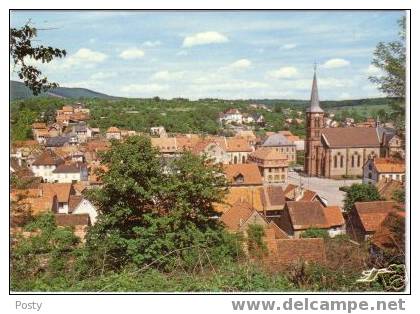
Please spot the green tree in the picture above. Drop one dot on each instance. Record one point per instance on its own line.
(21, 49)
(315, 233)
(255, 237)
(360, 193)
(152, 211)
(391, 59)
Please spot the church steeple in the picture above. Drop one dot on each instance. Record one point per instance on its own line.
(314, 106)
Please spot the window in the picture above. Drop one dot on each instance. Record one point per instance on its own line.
(335, 161)
(370, 166)
(352, 161)
(397, 177)
(341, 161)
(276, 177)
(243, 159)
(358, 161)
(269, 169)
(270, 178)
(370, 175)
(235, 160)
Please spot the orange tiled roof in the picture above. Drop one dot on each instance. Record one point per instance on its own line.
(237, 145)
(113, 129)
(62, 190)
(334, 216)
(389, 165)
(250, 173)
(237, 215)
(372, 214)
(384, 237)
(306, 215)
(387, 187)
(252, 195)
(268, 154)
(290, 251)
(48, 158)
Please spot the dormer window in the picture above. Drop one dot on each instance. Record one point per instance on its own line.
(239, 178)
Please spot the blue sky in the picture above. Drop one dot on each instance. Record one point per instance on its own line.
(237, 54)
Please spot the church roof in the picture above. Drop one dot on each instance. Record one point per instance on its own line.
(351, 137)
(314, 106)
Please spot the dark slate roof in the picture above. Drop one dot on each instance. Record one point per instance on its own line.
(314, 105)
(276, 140)
(69, 168)
(56, 141)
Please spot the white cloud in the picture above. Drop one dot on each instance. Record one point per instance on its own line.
(144, 88)
(132, 53)
(102, 75)
(204, 38)
(240, 64)
(372, 70)
(151, 44)
(284, 72)
(167, 76)
(289, 46)
(335, 63)
(84, 57)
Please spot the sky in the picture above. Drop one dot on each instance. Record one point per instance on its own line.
(220, 54)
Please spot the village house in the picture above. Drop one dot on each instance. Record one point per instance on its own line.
(82, 132)
(296, 140)
(231, 116)
(248, 135)
(272, 164)
(70, 173)
(211, 149)
(113, 133)
(243, 175)
(80, 205)
(376, 169)
(364, 218)
(294, 192)
(63, 191)
(280, 143)
(273, 201)
(158, 131)
(302, 215)
(45, 165)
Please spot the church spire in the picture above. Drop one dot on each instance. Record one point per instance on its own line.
(314, 106)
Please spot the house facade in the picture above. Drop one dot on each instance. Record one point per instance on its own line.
(376, 169)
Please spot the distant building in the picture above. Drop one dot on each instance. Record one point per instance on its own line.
(45, 165)
(158, 131)
(231, 116)
(113, 133)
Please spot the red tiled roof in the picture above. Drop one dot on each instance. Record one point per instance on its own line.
(351, 137)
(74, 200)
(237, 215)
(48, 158)
(273, 197)
(334, 216)
(62, 190)
(385, 237)
(268, 154)
(250, 173)
(305, 215)
(72, 219)
(294, 250)
(372, 214)
(389, 165)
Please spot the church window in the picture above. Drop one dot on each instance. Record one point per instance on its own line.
(235, 160)
(335, 161)
(352, 161)
(358, 160)
(243, 159)
(341, 161)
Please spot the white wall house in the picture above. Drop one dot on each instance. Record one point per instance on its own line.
(45, 165)
(376, 169)
(70, 173)
(86, 207)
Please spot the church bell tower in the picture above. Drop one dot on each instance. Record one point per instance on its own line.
(314, 125)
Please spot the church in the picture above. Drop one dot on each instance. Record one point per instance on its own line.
(342, 151)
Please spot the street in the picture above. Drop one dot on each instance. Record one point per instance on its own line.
(326, 188)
